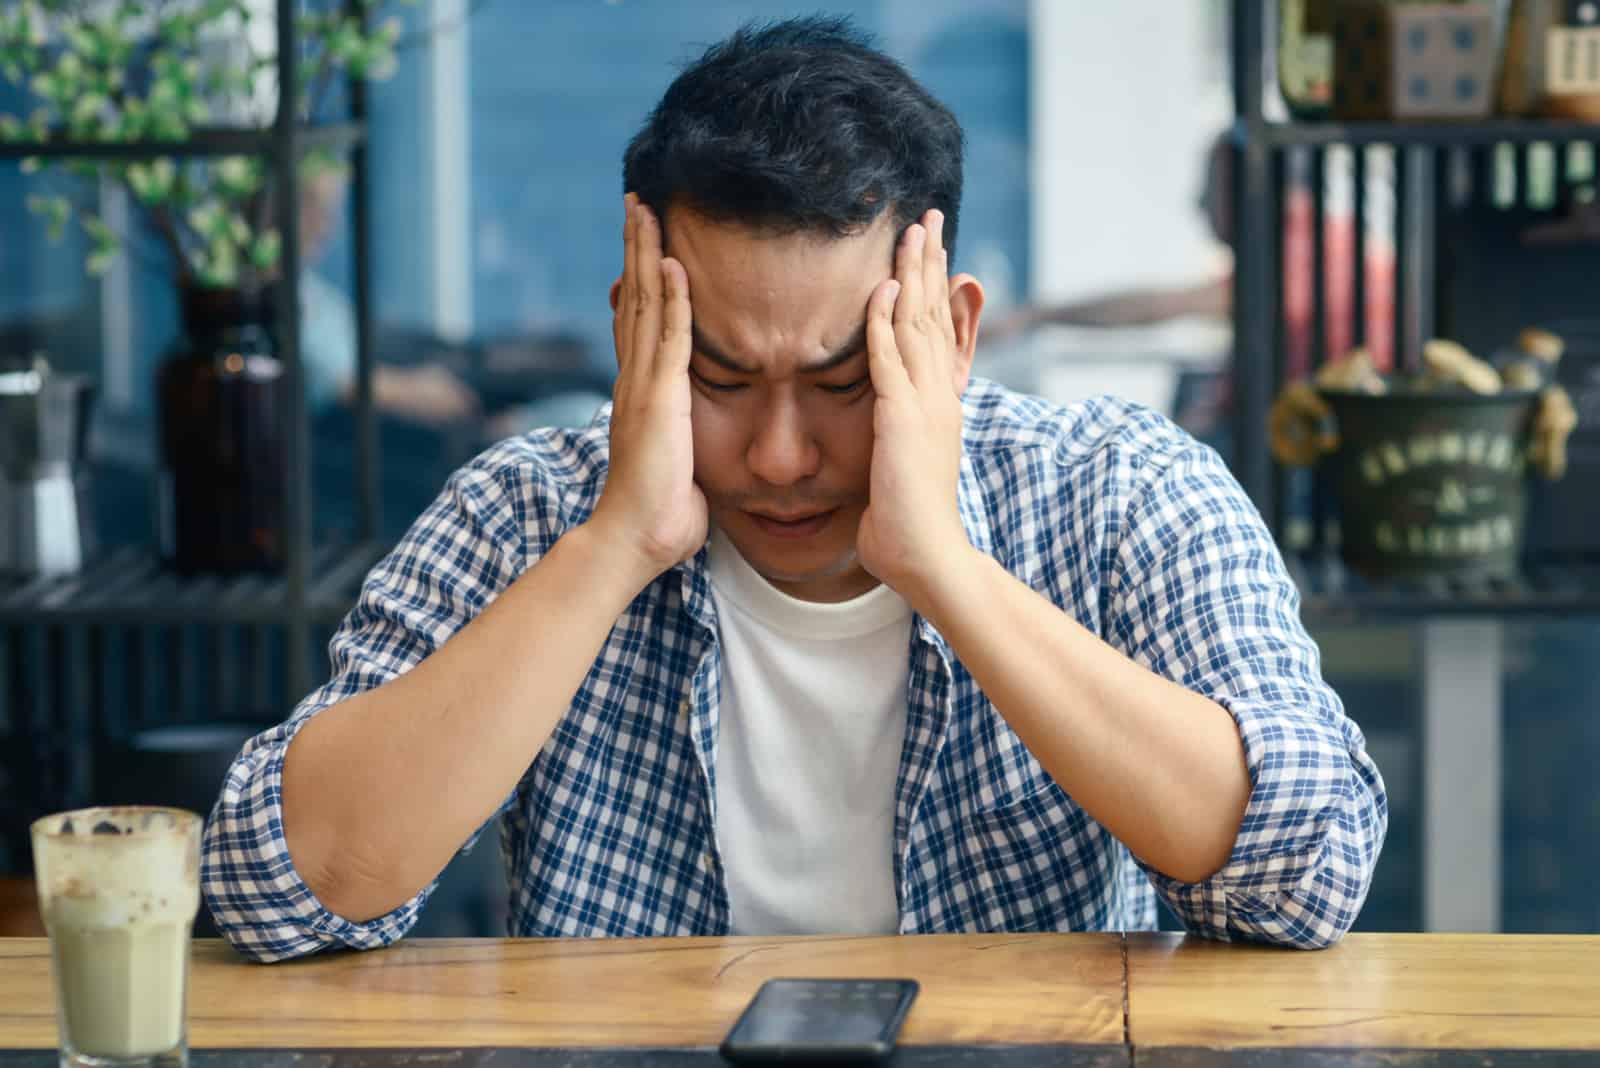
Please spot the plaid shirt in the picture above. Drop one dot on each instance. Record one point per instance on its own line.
(1135, 530)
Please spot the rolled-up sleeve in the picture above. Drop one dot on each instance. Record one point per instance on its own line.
(455, 559)
(1202, 597)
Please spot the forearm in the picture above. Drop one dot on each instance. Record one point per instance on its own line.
(1161, 767)
(380, 790)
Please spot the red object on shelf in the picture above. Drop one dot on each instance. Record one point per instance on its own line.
(1339, 251)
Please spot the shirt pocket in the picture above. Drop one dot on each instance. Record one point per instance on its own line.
(1038, 868)
(1000, 770)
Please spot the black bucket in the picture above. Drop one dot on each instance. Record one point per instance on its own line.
(1432, 484)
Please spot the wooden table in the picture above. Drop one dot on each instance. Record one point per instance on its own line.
(1089, 999)
(1379, 994)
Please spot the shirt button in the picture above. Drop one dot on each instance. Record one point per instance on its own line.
(683, 707)
(709, 861)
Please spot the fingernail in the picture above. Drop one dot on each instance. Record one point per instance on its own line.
(894, 290)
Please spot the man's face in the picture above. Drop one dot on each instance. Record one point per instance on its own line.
(782, 406)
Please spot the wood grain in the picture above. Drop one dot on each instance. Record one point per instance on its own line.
(1421, 991)
(638, 992)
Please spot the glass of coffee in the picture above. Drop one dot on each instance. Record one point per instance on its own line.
(119, 889)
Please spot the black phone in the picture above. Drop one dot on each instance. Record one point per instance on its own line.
(820, 1021)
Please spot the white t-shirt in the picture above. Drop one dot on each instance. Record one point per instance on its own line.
(812, 721)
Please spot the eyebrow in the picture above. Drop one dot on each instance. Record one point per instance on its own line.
(856, 343)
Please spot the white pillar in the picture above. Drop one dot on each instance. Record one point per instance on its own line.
(1461, 773)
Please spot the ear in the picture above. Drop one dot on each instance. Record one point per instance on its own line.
(966, 307)
(616, 291)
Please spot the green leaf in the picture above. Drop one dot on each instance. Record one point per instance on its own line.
(240, 176)
(129, 126)
(11, 128)
(205, 218)
(152, 181)
(31, 165)
(238, 230)
(45, 85)
(178, 30)
(222, 263)
(345, 43)
(196, 110)
(99, 261)
(265, 249)
(140, 181)
(101, 234)
(183, 194)
(88, 109)
(164, 95)
(166, 65)
(55, 210)
(168, 125)
(84, 42)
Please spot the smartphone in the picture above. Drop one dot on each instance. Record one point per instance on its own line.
(820, 1021)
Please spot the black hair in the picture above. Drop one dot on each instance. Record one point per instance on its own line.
(799, 126)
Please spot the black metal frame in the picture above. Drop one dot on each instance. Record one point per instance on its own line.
(49, 625)
(307, 588)
(1260, 147)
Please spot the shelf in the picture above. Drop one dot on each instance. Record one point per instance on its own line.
(1441, 133)
(202, 141)
(1331, 593)
(129, 586)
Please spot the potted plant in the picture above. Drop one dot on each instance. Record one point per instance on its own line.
(1430, 470)
(133, 70)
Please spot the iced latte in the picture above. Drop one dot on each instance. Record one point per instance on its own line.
(119, 889)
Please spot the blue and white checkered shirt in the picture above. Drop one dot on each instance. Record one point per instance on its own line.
(1130, 526)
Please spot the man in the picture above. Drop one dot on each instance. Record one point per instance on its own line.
(810, 632)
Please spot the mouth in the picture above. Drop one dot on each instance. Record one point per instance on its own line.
(794, 525)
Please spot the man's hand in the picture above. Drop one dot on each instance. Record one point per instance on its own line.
(911, 532)
(651, 504)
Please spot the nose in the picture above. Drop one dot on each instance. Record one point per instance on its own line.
(782, 450)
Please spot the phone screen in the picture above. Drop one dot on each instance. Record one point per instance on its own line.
(818, 1018)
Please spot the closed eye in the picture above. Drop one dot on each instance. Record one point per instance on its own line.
(845, 388)
(717, 387)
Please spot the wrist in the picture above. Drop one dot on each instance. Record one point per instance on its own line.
(950, 583)
(616, 555)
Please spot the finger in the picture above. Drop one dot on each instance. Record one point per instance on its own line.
(647, 250)
(884, 362)
(910, 313)
(676, 319)
(936, 277)
(627, 299)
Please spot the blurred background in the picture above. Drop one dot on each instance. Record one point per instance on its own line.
(1110, 166)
